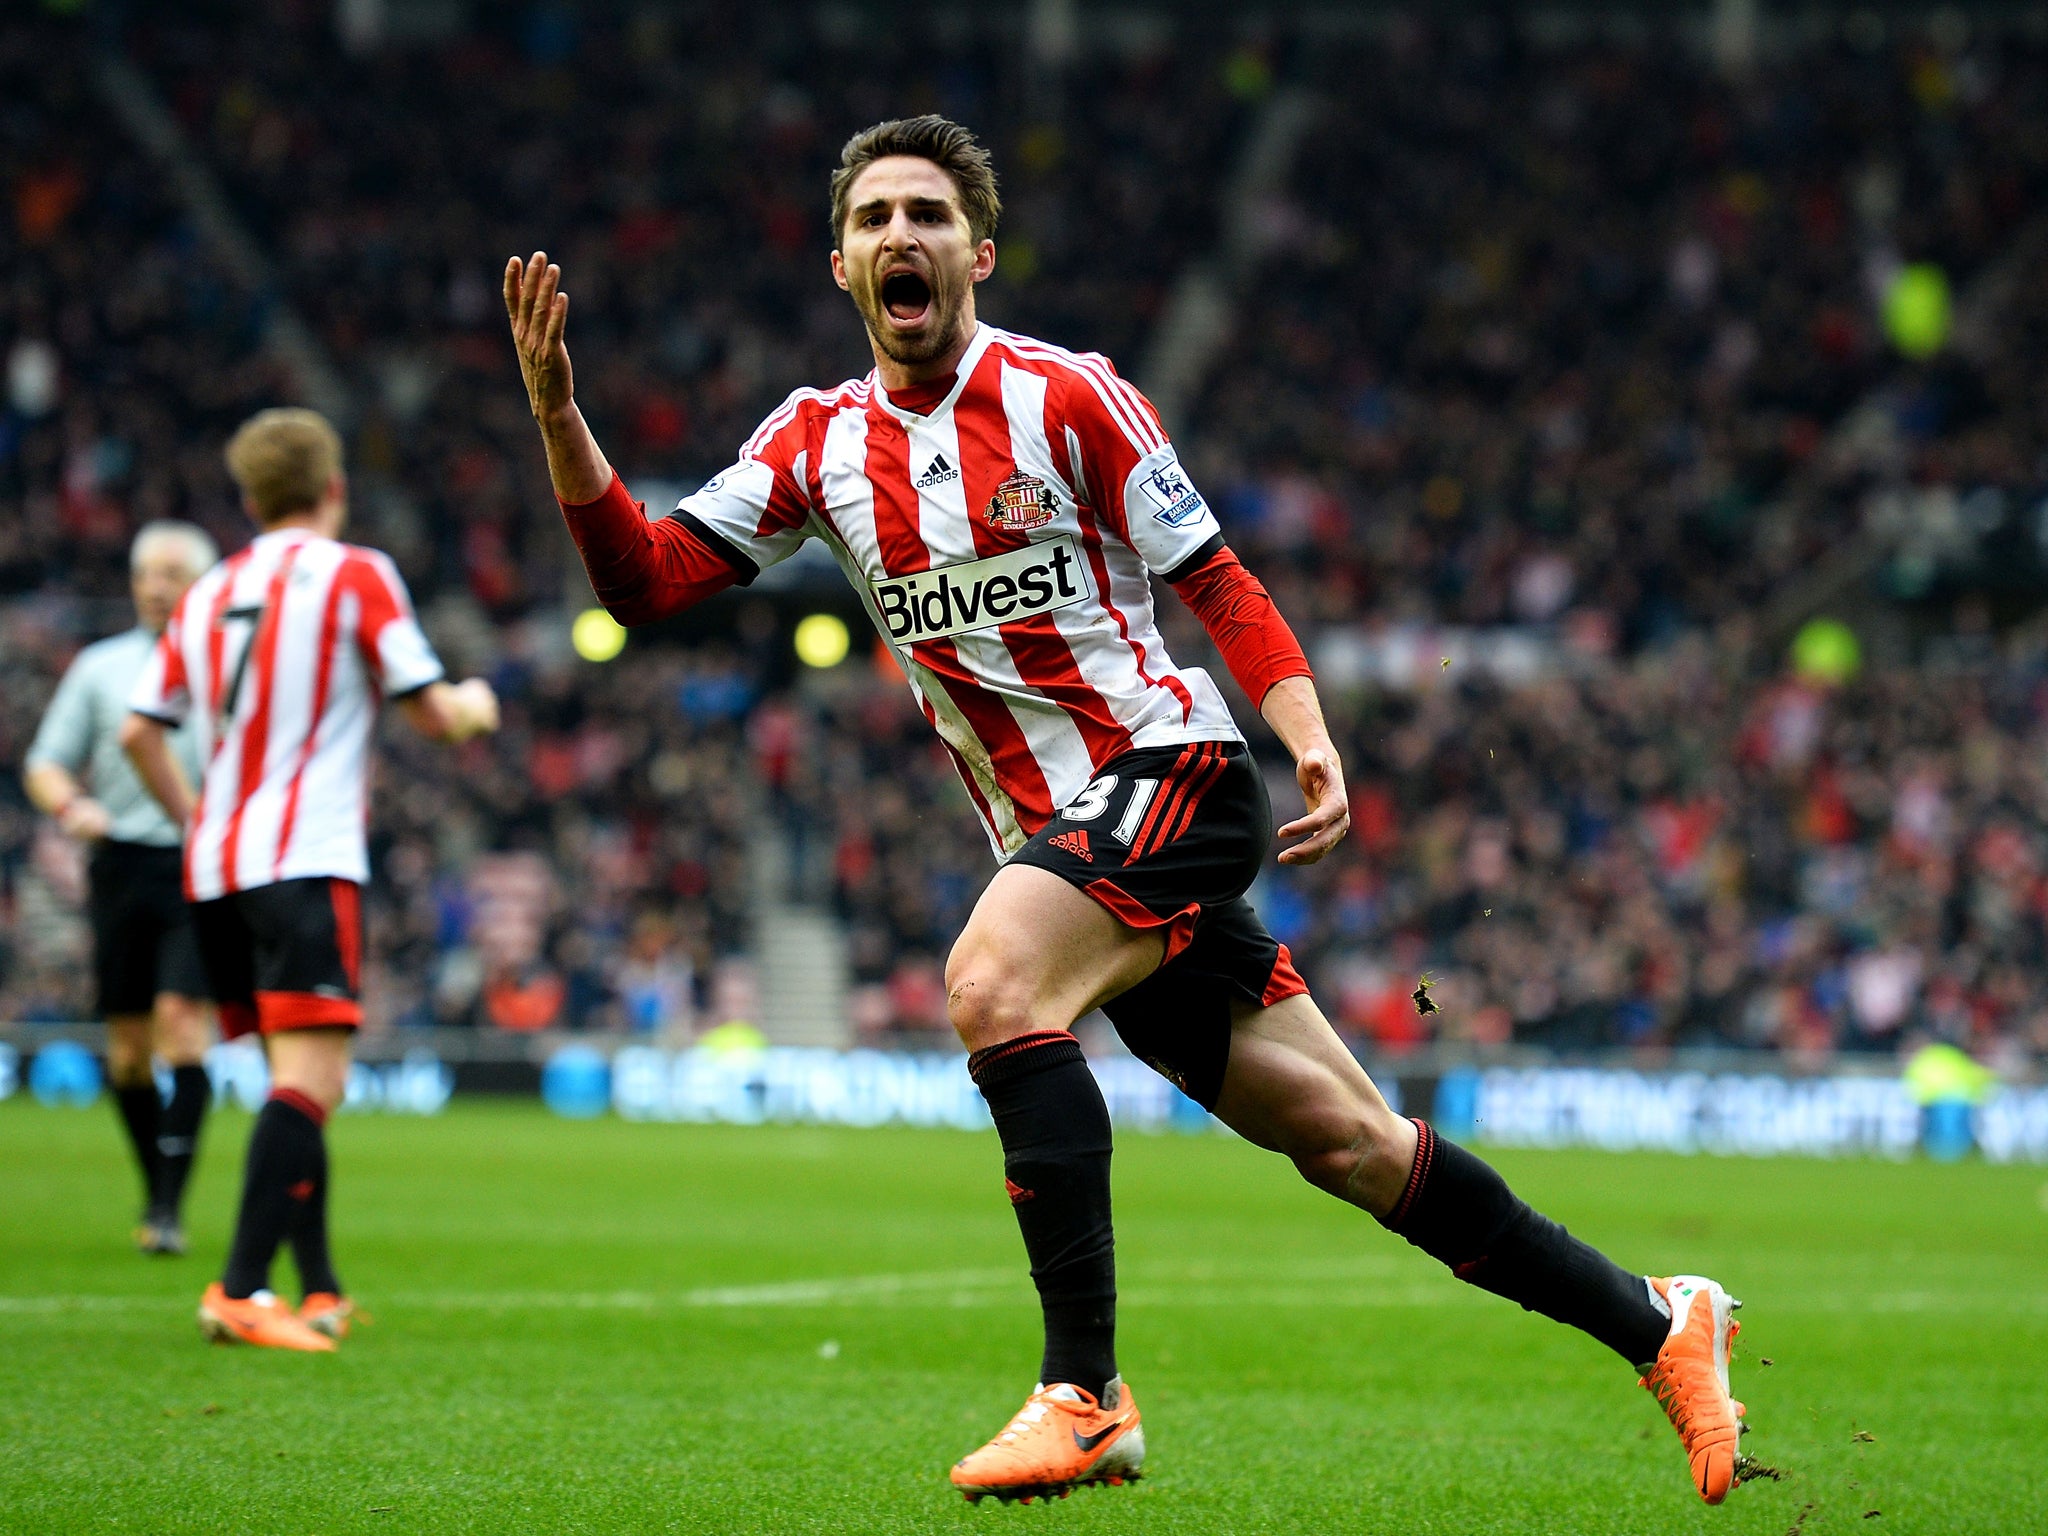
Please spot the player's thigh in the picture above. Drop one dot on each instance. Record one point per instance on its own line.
(1293, 1087)
(128, 1064)
(227, 953)
(1037, 954)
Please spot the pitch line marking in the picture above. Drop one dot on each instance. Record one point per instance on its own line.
(969, 1288)
(880, 1289)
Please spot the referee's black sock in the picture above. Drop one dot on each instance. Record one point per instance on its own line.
(1055, 1133)
(140, 1109)
(286, 1156)
(1458, 1210)
(177, 1135)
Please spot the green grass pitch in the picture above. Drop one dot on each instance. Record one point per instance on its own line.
(597, 1326)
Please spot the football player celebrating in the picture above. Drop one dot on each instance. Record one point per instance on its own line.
(151, 982)
(1001, 506)
(282, 653)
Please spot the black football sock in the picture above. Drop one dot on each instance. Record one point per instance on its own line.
(1055, 1133)
(140, 1107)
(1459, 1211)
(308, 1233)
(177, 1135)
(285, 1153)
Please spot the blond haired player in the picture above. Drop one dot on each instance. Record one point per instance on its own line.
(1002, 504)
(283, 654)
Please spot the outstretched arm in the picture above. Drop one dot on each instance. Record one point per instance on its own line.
(1268, 663)
(539, 312)
(640, 571)
(452, 712)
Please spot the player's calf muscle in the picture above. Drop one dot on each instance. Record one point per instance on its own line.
(1365, 1171)
(1293, 1088)
(1349, 1148)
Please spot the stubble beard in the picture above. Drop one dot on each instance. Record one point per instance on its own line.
(912, 351)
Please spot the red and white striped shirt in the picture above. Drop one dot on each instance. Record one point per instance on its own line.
(284, 650)
(1004, 544)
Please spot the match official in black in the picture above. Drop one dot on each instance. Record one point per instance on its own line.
(152, 985)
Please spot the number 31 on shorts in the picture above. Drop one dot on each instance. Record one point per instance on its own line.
(1094, 800)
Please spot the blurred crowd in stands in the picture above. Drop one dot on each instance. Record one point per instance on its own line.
(1569, 335)
(128, 352)
(674, 162)
(1654, 852)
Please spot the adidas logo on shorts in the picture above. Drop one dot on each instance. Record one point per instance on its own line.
(1075, 842)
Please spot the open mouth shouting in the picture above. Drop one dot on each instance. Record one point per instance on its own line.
(906, 298)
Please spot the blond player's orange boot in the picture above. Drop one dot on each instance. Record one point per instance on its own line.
(1060, 1439)
(261, 1319)
(1690, 1380)
(325, 1312)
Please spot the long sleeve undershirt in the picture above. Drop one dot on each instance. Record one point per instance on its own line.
(1243, 621)
(644, 571)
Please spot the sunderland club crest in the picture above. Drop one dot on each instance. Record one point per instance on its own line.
(1021, 503)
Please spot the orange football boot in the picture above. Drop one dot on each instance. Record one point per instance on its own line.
(1060, 1439)
(1690, 1380)
(261, 1319)
(325, 1312)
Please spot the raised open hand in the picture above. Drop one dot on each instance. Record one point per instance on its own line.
(539, 311)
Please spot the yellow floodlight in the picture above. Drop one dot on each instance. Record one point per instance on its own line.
(822, 640)
(596, 635)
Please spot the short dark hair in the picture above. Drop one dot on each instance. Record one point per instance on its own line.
(952, 148)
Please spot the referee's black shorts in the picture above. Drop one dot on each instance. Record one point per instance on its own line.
(143, 941)
(1172, 838)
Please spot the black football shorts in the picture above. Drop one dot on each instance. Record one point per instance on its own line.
(285, 956)
(142, 937)
(1172, 837)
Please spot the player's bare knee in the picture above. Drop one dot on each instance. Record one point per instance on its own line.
(313, 1062)
(986, 1003)
(985, 1011)
(181, 1029)
(325, 1084)
(128, 1061)
(130, 1072)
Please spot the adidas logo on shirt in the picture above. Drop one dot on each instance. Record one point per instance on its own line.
(938, 472)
